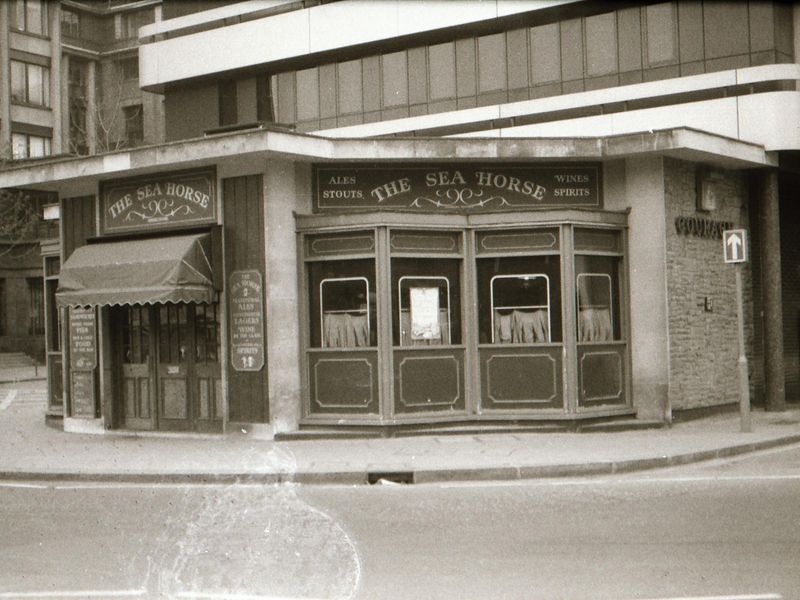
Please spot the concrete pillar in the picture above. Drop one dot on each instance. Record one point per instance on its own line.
(769, 221)
(647, 258)
(91, 106)
(5, 83)
(66, 138)
(56, 76)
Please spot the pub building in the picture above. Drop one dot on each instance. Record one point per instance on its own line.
(282, 283)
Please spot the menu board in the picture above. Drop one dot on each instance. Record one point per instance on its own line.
(82, 339)
(247, 320)
(82, 397)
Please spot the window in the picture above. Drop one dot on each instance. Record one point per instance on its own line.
(70, 23)
(77, 126)
(30, 16)
(427, 296)
(520, 308)
(127, 24)
(342, 303)
(77, 76)
(35, 306)
(228, 110)
(2, 306)
(134, 124)
(30, 84)
(266, 94)
(29, 146)
(519, 300)
(595, 299)
(129, 67)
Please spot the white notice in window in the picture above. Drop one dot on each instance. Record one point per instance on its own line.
(425, 314)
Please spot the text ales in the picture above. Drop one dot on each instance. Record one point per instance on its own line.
(465, 187)
(247, 320)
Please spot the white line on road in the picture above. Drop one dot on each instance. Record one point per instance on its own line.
(8, 399)
(36, 486)
(214, 596)
(745, 597)
(77, 594)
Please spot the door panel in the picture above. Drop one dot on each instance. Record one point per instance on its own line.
(207, 369)
(170, 366)
(134, 324)
(174, 356)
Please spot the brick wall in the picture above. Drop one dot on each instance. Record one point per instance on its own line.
(703, 345)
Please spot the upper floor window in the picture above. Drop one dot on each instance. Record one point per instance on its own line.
(134, 124)
(228, 109)
(77, 76)
(127, 24)
(70, 23)
(29, 146)
(30, 83)
(35, 306)
(2, 306)
(129, 68)
(30, 16)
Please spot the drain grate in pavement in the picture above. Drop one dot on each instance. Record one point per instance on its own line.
(390, 477)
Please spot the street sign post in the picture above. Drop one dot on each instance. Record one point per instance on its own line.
(734, 248)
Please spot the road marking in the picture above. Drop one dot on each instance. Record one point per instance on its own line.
(745, 597)
(8, 399)
(601, 480)
(210, 596)
(77, 594)
(36, 486)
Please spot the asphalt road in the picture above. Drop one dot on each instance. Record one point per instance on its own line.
(728, 528)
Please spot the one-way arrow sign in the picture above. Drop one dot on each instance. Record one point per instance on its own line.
(734, 245)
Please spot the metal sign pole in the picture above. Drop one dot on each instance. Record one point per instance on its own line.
(744, 385)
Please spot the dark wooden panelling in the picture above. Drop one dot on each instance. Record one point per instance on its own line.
(77, 225)
(243, 211)
(78, 222)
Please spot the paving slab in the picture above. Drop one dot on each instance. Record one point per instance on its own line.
(29, 449)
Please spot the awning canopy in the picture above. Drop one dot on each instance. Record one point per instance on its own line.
(147, 271)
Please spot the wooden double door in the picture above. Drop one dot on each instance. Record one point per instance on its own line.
(169, 367)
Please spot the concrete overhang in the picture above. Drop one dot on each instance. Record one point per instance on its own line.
(75, 175)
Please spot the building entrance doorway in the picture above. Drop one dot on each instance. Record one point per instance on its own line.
(169, 370)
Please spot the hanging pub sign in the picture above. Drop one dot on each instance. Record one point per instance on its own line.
(464, 187)
(247, 320)
(186, 198)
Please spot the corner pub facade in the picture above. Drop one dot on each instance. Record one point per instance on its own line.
(254, 277)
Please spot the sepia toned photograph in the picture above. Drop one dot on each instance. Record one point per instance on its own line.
(400, 299)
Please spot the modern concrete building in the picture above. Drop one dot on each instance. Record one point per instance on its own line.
(69, 85)
(390, 215)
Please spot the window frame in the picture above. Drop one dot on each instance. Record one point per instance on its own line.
(524, 277)
(20, 12)
(446, 341)
(26, 84)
